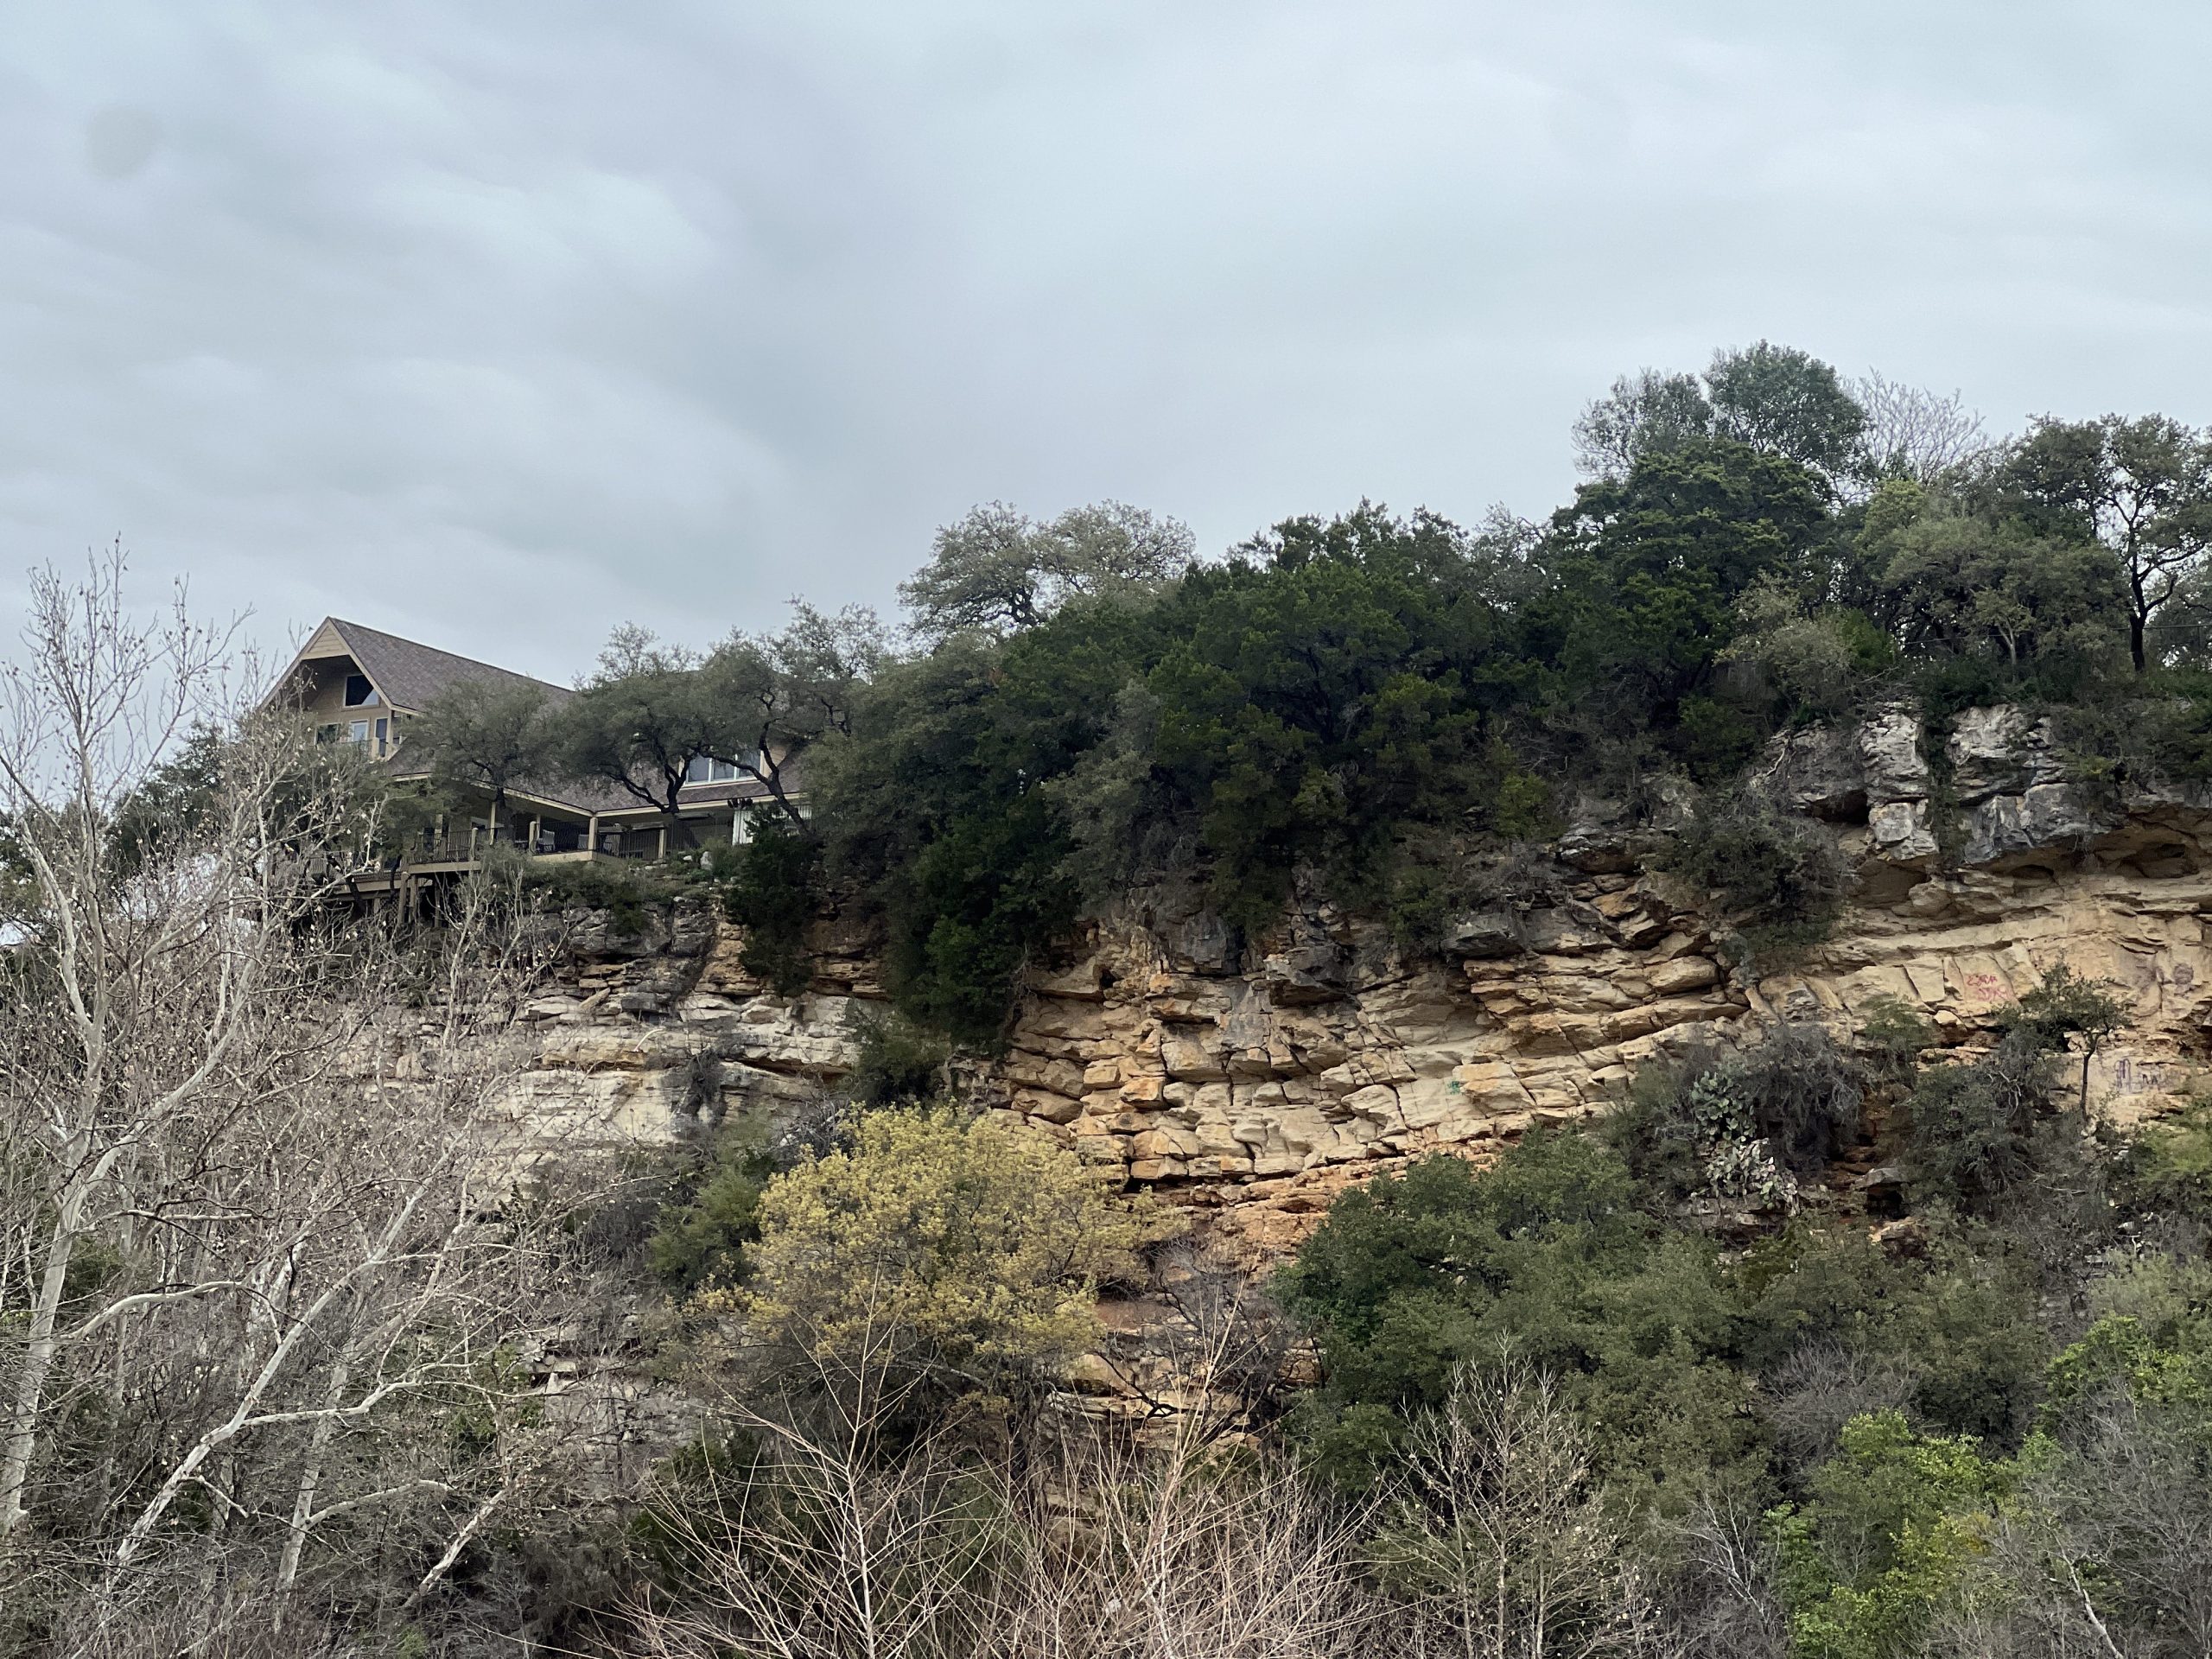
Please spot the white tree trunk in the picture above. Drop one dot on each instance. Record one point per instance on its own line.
(40, 1345)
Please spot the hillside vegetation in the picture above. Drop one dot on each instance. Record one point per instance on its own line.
(306, 1347)
(1390, 703)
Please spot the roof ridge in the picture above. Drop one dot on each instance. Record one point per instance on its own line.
(345, 628)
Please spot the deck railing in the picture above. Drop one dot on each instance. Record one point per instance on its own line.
(467, 849)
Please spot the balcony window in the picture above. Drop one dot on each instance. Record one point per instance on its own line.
(705, 769)
(358, 731)
(360, 694)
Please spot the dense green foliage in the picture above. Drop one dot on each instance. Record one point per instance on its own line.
(771, 892)
(1377, 704)
(1925, 1430)
(1549, 1257)
(1369, 697)
(1892, 1526)
(1780, 872)
(706, 1223)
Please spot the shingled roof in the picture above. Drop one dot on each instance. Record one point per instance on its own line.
(411, 675)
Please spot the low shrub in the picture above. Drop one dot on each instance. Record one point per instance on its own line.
(896, 1062)
(1971, 1129)
(1895, 1520)
(702, 1235)
(1548, 1256)
(1742, 1127)
(1781, 878)
(771, 892)
(938, 1251)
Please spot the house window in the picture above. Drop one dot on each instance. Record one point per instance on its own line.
(384, 734)
(358, 731)
(360, 694)
(705, 769)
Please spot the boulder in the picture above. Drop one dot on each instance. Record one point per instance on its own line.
(1901, 833)
(1567, 930)
(1889, 757)
(1988, 752)
(1890, 1177)
(1818, 771)
(1596, 843)
(1200, 943)
(2044, 818)
(1310, 971)
(1684, 974)
(1189, 1061)
(1051, 1108)
(1481, 933)
(1083, 981)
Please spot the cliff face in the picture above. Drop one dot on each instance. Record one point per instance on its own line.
(1256, 1081)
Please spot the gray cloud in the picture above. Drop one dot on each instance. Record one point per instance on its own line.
(499, 324)
(119, 140)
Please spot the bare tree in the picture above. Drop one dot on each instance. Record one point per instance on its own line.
(268, 1228)
(1095, 1548)
(1501, 1540)
(1914, 434)
(1213, 1361)
(133, 988)
(2104, 1556)
(1821, 1386)
(1722, 1603)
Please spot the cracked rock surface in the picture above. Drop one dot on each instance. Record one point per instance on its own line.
(1253, 1077)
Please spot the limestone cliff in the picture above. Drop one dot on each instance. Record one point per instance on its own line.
(1256, 1078)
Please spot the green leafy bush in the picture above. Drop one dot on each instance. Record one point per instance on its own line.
(1977, 1131)
(1894, 1520)
(1781, 876)
(895, 1062)
(936, 1244)
(1953, 1336)
(702, 1236)
(1743, 1128)
(1895, 1033)
(2168, 1166)
(2152, 1342)
(771, 892)
(1548, 1256)
(980, 903)
(1972, 1127)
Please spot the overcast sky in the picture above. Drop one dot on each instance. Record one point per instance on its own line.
(497, 324)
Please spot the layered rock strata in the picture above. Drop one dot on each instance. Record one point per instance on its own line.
(1257, 1078)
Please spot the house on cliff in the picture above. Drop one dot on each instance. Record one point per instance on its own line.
(362, 686)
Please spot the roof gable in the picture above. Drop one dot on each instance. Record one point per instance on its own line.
(325, 641)
(409, 676)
